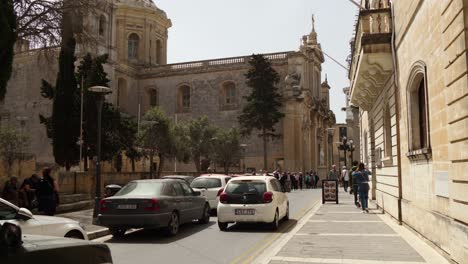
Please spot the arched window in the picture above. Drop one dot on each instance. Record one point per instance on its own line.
(153, 97)
(418, 114)
(230, 93)
(133, 42)
(183, 99)
(387, 123)
(102, 25)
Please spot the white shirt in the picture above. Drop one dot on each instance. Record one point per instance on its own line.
(345, 174)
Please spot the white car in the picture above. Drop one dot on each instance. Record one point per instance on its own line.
(39, 224)
(253, 199)
(210, 186)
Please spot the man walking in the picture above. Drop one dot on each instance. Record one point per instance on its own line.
(334, 174)
(345, 178)
(353, 183)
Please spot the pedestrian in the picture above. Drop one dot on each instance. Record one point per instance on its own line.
(308, 179)
(353, 183)
(317, 179)
(288, 182)
(345, 178)
(10, 190)
(301, 180)
(334, 174)
(283, 182)
(28, 190)
(362, 179)
(47, 193)
(294, 181)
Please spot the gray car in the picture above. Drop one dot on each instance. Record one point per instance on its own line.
(161, 203)
(188, 179)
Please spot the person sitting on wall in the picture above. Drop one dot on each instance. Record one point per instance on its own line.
(10, 190)
(28, 190)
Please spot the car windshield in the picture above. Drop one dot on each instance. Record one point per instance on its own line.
(241, 187)
(207, 183)
(141, 188)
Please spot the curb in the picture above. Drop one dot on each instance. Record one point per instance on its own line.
(98, 233)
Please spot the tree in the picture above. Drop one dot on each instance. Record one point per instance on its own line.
(227, 149)
(12, 144)
(262, 109)
(63, 126)
(7, 42)
(200, 137)
(157, 135)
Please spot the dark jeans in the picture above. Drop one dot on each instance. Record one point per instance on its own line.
(345, 185)
(364, 194)
(355, 192)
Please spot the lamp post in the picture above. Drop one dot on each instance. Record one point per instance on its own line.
(243, 146)
(152, 143)
(346, 145)
(100, 91)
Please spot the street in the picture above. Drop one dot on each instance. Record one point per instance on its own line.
(197, 243)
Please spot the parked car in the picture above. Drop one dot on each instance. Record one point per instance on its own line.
(160, 203)
(211, 186)
(18, 249)
(40, 224)
(253, 199)
(188, 179)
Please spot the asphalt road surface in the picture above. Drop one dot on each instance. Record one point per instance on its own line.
(205, 244)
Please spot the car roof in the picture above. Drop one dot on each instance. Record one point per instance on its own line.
(154, 180)
(177, 176)
(214, 175)
(261, 178)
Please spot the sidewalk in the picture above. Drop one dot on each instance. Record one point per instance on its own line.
(85, 217)
(341, 234)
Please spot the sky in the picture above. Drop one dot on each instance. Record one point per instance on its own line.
(209, 29)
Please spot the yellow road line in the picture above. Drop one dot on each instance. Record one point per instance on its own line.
(258, 247)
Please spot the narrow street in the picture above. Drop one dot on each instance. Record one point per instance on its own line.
(205, 243)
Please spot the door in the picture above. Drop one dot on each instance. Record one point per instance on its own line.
(195, 205)
(280, 197)
(181, 203)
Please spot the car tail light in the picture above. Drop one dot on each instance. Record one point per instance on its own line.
(103, 205)
(220, 191)
(267, 197)
(153, 205)
(223, 197)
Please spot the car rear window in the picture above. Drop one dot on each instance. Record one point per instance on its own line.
(202, 183)
(141, 188)
(241, 187)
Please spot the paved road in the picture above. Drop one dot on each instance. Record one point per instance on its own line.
(205, 243)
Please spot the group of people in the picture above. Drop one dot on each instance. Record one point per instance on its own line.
(34, 192)
(358, 179)
(297, 180)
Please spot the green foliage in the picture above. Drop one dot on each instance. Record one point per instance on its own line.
(262, 108)
(12, 143)
(157, 135)
(227, 149)
(64, 121)
(200, 135)
(7, 41)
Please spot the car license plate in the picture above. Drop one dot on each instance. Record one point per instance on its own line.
(126, 206)
(244, 211)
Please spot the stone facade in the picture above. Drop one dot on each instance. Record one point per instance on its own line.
(134, 33)
(409, 78)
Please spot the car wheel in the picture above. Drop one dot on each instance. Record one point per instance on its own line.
(275, 224)
(117, 232)
(206, 215)
(222, 226)
(74, 234)
(173, 226)
(286, 217)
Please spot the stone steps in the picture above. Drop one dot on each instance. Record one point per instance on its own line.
(74, 202)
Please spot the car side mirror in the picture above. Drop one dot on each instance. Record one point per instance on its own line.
(10, 235)
(24, 214)
(195, 193)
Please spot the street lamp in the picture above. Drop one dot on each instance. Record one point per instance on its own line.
(243, 146)
(153, 144)
(346, 145)
(100, 91)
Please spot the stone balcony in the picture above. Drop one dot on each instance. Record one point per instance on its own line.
(372, 63)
